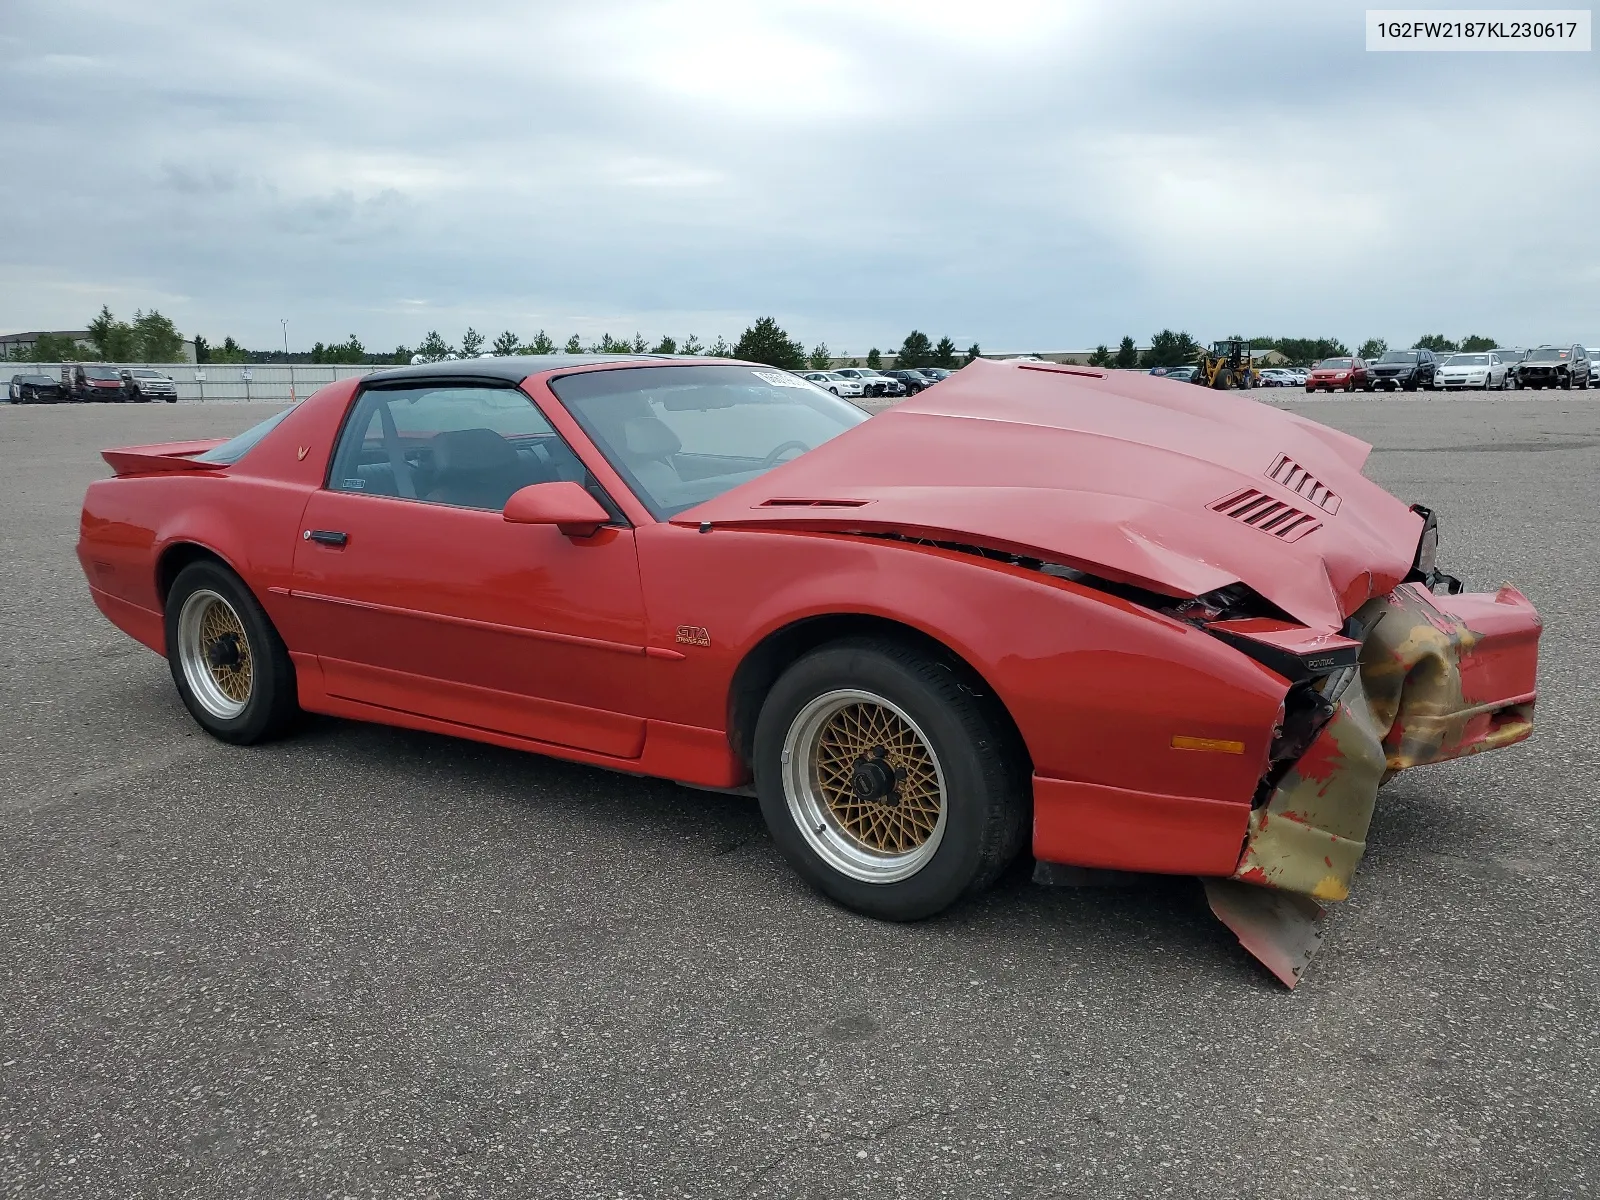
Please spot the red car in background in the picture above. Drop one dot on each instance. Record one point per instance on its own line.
(1343, 374)
(1121, 621)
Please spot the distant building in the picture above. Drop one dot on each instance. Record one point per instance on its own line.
(16, 344)
(11, 343)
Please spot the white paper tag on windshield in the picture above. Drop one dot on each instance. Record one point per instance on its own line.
(779, 379)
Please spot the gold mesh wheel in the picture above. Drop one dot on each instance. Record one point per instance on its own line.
(214, 650)
(864, 785)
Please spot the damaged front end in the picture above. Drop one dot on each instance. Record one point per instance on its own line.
(1423, 678)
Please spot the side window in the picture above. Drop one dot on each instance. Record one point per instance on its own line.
(462, 445)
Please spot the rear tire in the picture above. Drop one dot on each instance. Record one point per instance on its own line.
(888, 781)
(229, 664)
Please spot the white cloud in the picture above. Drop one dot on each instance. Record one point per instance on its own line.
(1026, 173)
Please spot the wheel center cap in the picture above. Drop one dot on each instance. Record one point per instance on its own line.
(873, 779)
(224, 652)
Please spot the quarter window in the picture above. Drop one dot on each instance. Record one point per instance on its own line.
(470, 446)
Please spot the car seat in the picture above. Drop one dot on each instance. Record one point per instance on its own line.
(474, 468)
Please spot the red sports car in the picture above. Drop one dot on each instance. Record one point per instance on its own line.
(1126, 622)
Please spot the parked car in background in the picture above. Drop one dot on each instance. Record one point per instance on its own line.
(1511, 358)
(1300, 374)
(1482, 369)
(1181, 374)
(35, 388)
(93, 381)
(1278, 377)
(832, 381)
(912, 381)
(1408, 369)
(873, 382)
(936, 374)
(1342, 374)
(144, 385)
(1555, 366)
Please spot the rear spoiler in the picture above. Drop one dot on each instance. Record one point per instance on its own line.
(165, 458)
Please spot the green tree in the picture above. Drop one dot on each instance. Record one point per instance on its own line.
(765, 342)
(665, 346)
(202, 349)
(433, 347)
(401, 355)
(639, 346)
(156, 339)
(692, 345)
(974, 352)
(1476, 343)
(49, 348)
(1436, 342)
(349, 351)
(820, 359)
(944, 354)
(1302, 352)
(874, 360)
(1372, 349)
(1127, 354)
(507, 343)
(573, 346)
(1169, 349)
(113, 340)
(720, 348)
(542, 343)
(471, 343)
(229, 352)
(1101, 356)
(915, 351)
(610, 345)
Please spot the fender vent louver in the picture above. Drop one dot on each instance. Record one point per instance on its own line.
(1290, 474)
(1257, 509)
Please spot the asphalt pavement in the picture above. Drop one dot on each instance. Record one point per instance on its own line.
(372, 963)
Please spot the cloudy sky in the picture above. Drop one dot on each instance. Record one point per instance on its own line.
(1027, 174)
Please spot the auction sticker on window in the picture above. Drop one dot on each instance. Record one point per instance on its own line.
(779, 379)
(1436, 29)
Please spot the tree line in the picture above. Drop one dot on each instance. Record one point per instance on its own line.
(149, 337)
(152, 337)
(1169, 349)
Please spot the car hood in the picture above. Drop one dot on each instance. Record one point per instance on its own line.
(1113, 474)
(1394, 366)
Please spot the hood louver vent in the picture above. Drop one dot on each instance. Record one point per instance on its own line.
(1290, 474)
(1255, 508)
(797, 502)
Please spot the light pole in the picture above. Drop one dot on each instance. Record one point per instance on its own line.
(284, 321)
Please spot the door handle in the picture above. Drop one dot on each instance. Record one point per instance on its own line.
(328, 537)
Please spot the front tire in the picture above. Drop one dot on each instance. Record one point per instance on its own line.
(888, 780)
(229, 664)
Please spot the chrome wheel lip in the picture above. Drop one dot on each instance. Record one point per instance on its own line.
(192, 654)
(814, 817)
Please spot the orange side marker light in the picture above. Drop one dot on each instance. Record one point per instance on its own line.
(1211, 745)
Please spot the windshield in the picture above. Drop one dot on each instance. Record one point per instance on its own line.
(683, 435)
(232, 450)
(1399, 356)
(1467, 360)
(100, 373)
(1546, 354)
(1333, 364)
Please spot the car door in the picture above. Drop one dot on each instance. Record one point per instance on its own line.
(419, 597)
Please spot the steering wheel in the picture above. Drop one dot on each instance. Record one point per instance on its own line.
(771, 460)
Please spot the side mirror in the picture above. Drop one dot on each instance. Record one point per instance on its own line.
(565, 505)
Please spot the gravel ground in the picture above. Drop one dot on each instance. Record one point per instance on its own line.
(367, 962)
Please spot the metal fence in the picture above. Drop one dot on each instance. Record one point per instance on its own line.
(222, 383)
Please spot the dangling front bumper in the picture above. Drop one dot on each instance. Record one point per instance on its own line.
(1440, 677)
